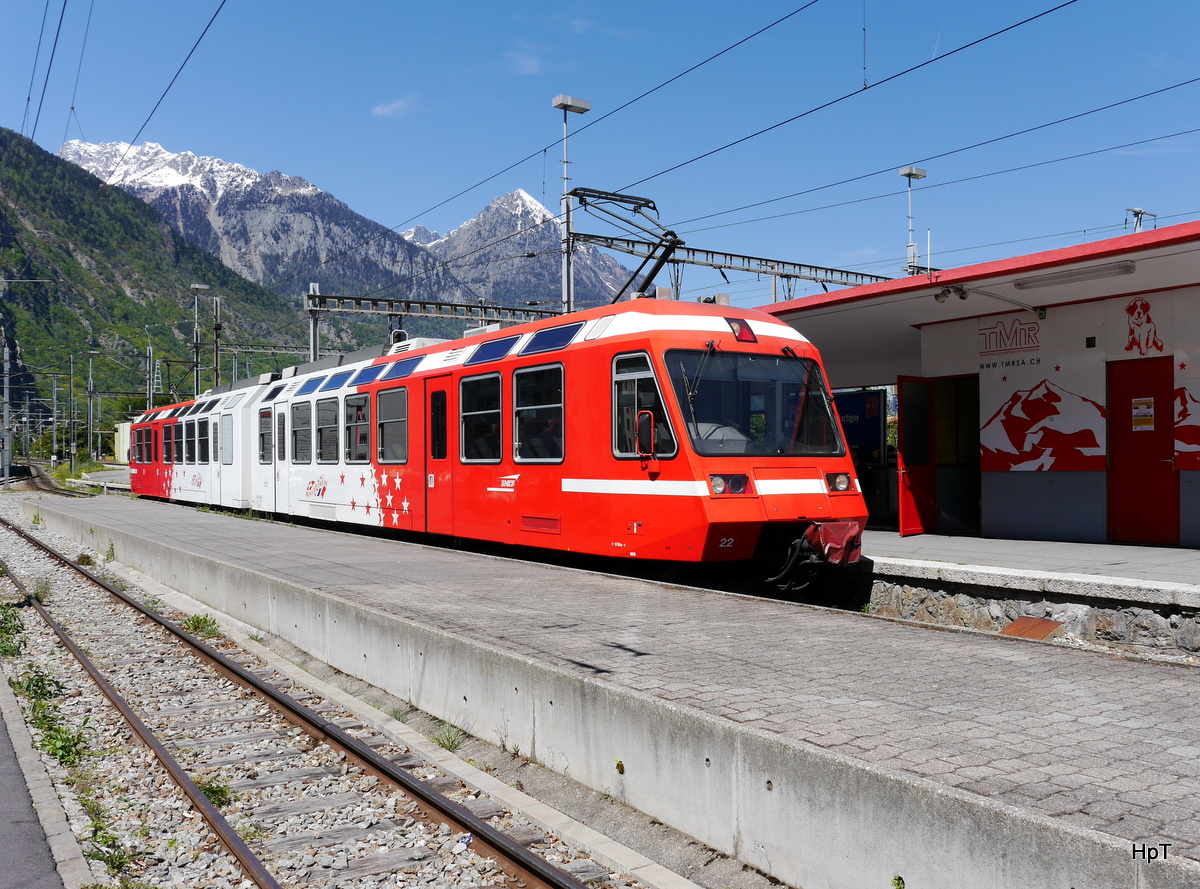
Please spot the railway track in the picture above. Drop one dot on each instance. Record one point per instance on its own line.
(290, 791)
(42, 483)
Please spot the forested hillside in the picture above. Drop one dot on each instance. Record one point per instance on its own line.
(89, 269)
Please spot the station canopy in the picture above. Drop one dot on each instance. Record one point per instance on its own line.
(870, 335)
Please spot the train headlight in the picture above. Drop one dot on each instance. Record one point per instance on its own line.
(733, 484)
(838, 481)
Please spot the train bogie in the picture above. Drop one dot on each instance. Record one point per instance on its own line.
(649, 430)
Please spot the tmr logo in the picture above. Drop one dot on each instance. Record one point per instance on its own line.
(508, 484)
(1016, 336)
(317, 487)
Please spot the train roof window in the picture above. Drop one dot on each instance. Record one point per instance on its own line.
(402, 368)
(551, 339)
(274, 393)
(337, 380)
(235, 400)
(628, 364)
(491, 351)
(369, 374)
(311, 385)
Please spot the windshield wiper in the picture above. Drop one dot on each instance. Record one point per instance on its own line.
(692, 387)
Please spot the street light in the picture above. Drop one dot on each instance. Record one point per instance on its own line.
(574, 106)
(911, 173)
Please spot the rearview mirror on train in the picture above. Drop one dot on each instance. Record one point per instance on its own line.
(645, 434)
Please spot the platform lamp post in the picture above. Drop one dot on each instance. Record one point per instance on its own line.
(576, 106)
(196, 335)
(911, 173)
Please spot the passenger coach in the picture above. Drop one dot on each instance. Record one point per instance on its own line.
(649, 430)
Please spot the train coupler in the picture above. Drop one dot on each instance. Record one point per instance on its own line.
(834, 543)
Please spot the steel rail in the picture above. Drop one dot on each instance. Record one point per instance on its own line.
(522, 867)
(252, 867)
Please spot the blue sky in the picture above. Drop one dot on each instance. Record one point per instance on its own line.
(396, 107)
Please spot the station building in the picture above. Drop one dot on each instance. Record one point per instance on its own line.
(1053, 396)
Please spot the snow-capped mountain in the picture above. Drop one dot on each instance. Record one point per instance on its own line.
(273, 227)
(1044, 427)
(527, 265)
(269, 227)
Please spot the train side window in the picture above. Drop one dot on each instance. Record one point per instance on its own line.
(302, 433)
(327, 430)
(153, 446)
(391, 433)
(281, 436)
(227, 440)
(265, 454)
(168, 442)
(189, 441)
(635, 389)
(202, 440)
(358, 428)
(138, 440)
(538, 415)
(438, 427)
(479, 415)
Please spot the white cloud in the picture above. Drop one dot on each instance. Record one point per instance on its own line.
(524, 62)
(396, 108)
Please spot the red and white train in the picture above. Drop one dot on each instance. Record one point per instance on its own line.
(650, 429)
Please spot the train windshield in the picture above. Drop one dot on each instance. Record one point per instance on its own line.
(754, 404)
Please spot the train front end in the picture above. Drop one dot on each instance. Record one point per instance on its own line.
(764, 436)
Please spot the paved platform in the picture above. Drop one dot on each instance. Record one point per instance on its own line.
(860, 748)
(1144, 566)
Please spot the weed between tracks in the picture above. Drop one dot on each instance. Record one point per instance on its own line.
(215, 791)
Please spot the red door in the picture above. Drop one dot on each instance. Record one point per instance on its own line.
(1143, 483)
(915, 464)
(441, 450)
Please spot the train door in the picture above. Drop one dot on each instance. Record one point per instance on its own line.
(215, 456)
(263, 475)
(918, 478)
(282, 492)
(1143, 483)
(440, 450)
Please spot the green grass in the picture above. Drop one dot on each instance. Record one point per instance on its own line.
(449, 737)
(60, 739)
(36, 684)
(217, 792)
(12, 631)
(203, 625)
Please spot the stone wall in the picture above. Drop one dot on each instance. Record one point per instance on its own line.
(1133, 624)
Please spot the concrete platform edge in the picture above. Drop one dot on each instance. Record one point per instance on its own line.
(808, 816)
(69, 860)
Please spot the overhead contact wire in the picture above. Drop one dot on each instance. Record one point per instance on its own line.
(856, 92)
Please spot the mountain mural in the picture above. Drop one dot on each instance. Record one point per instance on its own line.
(283, 232)
(1187, 429)
(1044, 428)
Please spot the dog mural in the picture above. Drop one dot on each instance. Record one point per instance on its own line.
(1143, 334)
